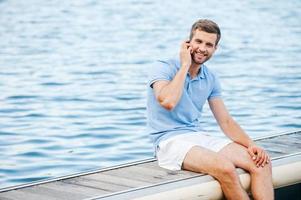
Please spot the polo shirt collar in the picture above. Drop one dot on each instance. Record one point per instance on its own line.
(201, 73)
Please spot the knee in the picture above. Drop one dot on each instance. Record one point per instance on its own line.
(261, 171)
(226, 169)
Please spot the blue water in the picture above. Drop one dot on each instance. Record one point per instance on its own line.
(73, 76)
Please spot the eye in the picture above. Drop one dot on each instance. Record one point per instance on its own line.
(209, 44)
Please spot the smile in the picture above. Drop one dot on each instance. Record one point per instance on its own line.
(201, 54)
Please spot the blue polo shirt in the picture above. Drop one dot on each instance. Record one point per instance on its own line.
(185, 117)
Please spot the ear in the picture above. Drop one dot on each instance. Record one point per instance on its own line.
(216, 46)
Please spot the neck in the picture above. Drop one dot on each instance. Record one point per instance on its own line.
(194, 70)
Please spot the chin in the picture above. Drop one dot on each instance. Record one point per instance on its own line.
(199, 62)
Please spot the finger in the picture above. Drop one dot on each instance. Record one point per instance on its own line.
(268, 159)
(186, 43)
(259, 155)
(185, 46)
(253, 156)
(262, 159)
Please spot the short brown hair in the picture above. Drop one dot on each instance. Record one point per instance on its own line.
(207, 26)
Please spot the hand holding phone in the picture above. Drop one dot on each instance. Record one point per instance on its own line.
(185, 54)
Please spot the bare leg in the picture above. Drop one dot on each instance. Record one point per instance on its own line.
(202, 160)
(261, 178)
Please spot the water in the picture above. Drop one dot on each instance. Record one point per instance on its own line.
(73, 76)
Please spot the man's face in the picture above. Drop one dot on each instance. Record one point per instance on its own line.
(203, 46)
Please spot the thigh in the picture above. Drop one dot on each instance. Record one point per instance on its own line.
(238, 155)
(202, 160)
(172, 151)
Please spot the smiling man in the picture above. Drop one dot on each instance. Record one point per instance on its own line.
(177, 90)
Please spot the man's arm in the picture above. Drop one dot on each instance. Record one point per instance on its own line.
(168, 93)
(231, 128)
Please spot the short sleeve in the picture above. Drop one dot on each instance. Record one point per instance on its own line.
(161, 70)
(217, 90)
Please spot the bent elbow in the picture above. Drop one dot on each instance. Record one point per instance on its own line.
(167, 104)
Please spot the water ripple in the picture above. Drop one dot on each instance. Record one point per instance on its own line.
(73, 92)
(17, 97)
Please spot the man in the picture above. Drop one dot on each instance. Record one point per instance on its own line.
(177, 91)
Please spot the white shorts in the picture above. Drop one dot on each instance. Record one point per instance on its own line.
(172, 151)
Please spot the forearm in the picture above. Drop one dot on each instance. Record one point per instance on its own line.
(236, 133)
(171, 93)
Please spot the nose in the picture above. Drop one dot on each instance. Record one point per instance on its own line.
(202, 48)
